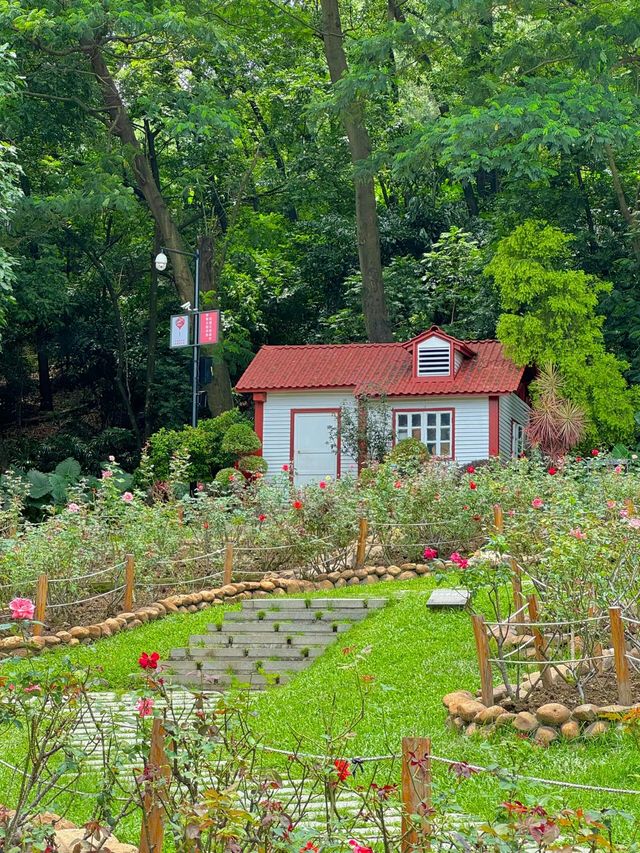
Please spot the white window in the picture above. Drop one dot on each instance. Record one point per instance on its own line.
(517, 439)
(434, 358)
(431, 428)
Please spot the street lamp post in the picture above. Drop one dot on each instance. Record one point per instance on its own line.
(161, 265)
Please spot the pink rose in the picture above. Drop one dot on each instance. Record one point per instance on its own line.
(634, 523)
(618, 469)
(144, 707)
(537, 503)
(112, 459)
(200, 487)
(127, 497)
(611, 504)
(107, 474)
(22, 608)
(624, 513)
(430, 553)
(73, 507)
(577, 533)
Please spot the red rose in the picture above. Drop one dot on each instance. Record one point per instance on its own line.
(322, 484)
(397, 484)
(471, 469)
(430, 553)
(342, 768)
(297, 504)
(552, 471)
(595, 452)
(285, 467)
(149, 661)
(262, 517)
(473, 485)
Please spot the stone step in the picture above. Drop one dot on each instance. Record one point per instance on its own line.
(281, 650)
(270, 617)
(283, 604)
(279, 627)
(222, 641)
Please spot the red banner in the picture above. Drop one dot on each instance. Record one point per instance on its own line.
(209, 326)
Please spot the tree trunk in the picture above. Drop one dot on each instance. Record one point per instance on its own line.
(44, 378)
(122, 127)
(151, 336)
(374, 305)
(628, 215)
(219, 389)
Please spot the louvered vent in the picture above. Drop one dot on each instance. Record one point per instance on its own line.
(434, 361)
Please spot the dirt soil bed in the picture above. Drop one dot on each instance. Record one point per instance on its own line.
(599, 690)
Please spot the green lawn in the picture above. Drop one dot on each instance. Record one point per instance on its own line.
(415, 657)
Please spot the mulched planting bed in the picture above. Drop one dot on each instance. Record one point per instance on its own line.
(600, 690)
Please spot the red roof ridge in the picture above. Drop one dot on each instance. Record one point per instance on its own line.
(334, 346)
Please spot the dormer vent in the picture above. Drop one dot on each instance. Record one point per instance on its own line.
(434, 358)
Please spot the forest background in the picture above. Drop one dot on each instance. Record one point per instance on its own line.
(348, 170)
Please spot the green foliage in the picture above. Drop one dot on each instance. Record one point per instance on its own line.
(203, 445)
(226, 476)
(253, 465)
(408, 455)
(240, 439)
(549, 317)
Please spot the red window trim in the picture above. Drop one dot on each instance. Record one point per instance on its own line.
(416, 409)
(494, 426)
(259, 399)
(292, 428)
(449, 375)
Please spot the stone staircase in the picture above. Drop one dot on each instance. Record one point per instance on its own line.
(267, 642)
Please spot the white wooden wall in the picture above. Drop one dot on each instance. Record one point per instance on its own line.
(277, 424)
(512, 408)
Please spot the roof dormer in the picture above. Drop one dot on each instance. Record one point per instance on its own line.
(437, 355)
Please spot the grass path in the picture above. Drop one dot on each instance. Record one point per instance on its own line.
(415, 657)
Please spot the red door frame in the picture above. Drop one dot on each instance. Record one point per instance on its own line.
(415, 410)
(292, 430)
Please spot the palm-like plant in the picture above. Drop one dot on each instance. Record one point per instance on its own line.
(556, 424)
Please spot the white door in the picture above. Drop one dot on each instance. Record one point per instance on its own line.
(314, 446)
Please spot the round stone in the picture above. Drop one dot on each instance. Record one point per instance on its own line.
(585, 713)
(468, 710)
(525, 722)
(456, 696)
(553, 714)
(545, 735)
(489, 715)
(570, 730)
(596, 729)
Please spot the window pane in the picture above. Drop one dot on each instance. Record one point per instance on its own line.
(416, 420)
(431, 448)
(431, 434)
(431, 419)
(401, 433)
(445, 418)
(445, 434)
(445, 448)
(402, 420)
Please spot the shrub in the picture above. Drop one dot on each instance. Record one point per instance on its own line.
(226, 475)
(253, 465)
(203, 445)
(240, 440)
(409, 455)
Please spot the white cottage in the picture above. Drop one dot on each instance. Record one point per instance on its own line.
(464, 399)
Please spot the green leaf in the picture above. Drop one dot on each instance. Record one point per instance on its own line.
(69, 469)
(40, 484)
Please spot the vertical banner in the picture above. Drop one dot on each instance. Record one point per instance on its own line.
(179, 330)
(209, 326)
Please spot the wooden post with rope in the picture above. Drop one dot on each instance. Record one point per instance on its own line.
(416, 794)
(482, 651)
(363, 532)
(152, 833)
(41, 604)
(228, 563)
(625, 695)
(129, 576)
(538, 642)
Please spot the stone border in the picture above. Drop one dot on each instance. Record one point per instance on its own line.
(194, 601)
(550, 721)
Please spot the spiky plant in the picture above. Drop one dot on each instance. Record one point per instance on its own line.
(556, 424)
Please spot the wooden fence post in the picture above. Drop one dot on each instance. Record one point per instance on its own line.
(625, 696)
(180, 514)
(416, 792)
(228, 563)
(538, 642)
(482, 650)
(152, 832)
(498, 518)
(516, 586)
(41, 604)
(363, 532)
(129, 573)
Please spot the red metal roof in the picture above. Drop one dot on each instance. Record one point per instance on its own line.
(377, 368)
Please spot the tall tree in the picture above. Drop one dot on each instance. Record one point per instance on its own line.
(374, 305)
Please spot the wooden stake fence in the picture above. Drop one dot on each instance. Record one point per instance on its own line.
(538, 642)
(625, 696)
(482, 651)
(498, 518)
(152, 833)
(516, 586)
(228, 563)
(41, 604)
(129, 578)
(416, 793)
(363, 532)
